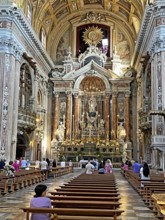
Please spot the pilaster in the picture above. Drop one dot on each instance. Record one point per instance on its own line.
(114, 114)
(68, 116)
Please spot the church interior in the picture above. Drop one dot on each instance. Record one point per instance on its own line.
(79, 82)
(82, 79)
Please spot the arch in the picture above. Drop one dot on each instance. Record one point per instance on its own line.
(25, 85)
(98, 75)
(22, 144)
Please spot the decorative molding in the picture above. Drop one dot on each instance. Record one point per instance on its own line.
(92, 17)
(11, 47)
(20, 21)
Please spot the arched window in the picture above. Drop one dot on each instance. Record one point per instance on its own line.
(43, 37)
(25, 87)
(29, 13)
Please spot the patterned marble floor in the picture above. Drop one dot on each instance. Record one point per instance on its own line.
(134, 207)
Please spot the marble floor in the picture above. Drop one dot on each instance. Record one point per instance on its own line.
(134, 207)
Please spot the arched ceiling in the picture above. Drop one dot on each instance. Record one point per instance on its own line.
(55, 16)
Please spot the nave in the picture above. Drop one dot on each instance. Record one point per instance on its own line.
(131, 202)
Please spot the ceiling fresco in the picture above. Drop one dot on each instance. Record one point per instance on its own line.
(57, 16)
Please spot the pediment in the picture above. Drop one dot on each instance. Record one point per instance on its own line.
(92, 68)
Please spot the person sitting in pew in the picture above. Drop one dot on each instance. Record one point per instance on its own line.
(144, 172)
(101, 169)
(40, 201)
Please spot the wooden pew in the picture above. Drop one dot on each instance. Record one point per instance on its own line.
(81, 198)
(105, 194)
(74, 213)
(86, 190)
(92, 204)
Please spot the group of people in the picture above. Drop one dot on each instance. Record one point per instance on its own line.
(102, 167)
(11, 167)
(142, 169)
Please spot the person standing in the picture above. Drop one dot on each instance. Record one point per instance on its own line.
(16, 166)
(2, 164)
(54, 163)
(44, 166)
(108, 166)
(40, 201)
(144, 173)
(136, 167)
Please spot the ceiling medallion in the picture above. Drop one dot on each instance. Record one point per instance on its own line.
(92, 36)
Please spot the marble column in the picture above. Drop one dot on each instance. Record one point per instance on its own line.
(107, 115)
(68, 116)
(114, 114)
(9, 84)
(127, 116)
(56, 112)
(76, 114)
(15, 109)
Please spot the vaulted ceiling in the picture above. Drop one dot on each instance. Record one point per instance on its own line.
(55, 16)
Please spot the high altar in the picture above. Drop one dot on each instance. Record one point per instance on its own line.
(91, 105)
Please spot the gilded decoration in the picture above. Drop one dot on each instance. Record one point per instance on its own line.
(92, 36)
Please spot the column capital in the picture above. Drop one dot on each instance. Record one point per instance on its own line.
(56, 94)
(76, 94)
(68, 93)
(107, 95)
(127, 94)
(114, 93)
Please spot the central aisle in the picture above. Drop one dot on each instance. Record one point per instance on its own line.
(134, 207)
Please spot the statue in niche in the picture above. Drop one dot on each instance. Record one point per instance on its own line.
(60, 132)
(121, 132)
(63, 106)
(102, 129)
(92, 104)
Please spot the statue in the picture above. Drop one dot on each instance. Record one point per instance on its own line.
(102, 128)
(91, 120)
(121, 132)
(60, 132)
(92, 104)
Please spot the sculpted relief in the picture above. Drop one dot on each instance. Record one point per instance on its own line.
(122, 47)
(62, 48)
